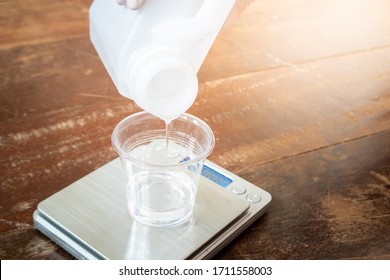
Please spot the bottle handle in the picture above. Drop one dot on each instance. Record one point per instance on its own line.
(188, 34)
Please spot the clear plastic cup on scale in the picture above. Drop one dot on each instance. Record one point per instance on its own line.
(163, 165)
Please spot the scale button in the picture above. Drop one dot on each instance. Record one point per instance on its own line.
(253, 198)
(238, 190)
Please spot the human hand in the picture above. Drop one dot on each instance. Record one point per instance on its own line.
(132, 4)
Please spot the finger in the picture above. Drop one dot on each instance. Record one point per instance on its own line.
(134, 4)
(121, 2)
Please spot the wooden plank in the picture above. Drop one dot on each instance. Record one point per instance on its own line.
(265, 116)
(35, 22)
(270, 34)
(332, 203)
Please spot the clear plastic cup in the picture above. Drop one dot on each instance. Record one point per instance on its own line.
(162, 181)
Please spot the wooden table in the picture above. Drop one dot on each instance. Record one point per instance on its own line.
(297, 93)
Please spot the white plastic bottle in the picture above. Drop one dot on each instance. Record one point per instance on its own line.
(153, 54)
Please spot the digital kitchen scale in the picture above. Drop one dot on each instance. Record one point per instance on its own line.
(90, 219)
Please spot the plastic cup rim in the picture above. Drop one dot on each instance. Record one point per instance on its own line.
(198, 158)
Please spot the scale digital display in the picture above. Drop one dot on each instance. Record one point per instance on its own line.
(216, 177)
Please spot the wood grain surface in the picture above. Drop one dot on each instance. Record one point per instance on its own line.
(297, 93)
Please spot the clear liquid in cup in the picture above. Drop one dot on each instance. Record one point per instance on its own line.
(164, 196)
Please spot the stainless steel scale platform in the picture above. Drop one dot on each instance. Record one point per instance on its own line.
(90, 219)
